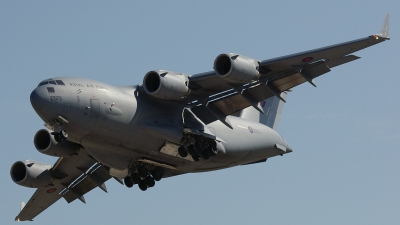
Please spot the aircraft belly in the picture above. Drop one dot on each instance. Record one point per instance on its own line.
(113, 155)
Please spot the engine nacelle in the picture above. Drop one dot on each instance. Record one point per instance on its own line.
(31, 174)
(45, 143)
(236, 68)
(166, 85)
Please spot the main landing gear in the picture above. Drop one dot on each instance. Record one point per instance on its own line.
(200, 149)
(144, 175)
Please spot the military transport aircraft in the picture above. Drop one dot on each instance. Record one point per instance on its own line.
(171, 124)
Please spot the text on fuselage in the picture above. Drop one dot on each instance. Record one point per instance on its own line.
(88, 85)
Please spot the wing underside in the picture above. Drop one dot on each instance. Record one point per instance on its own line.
(214, 98)
(74, 176)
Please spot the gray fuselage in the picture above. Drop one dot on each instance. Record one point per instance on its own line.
(121, 124)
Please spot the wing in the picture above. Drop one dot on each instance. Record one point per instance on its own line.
(74, 176)
(214, 98)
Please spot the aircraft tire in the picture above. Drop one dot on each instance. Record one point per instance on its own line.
(182, 152)
(128, 182)
(63, 134)
(195, 157)
(199, 147)
(212, 151)
(143, 172)
(136, 178)
(204, 155)
(150, 181)
(156, 175)
(57, 137)
(191, 150)
(143, 185)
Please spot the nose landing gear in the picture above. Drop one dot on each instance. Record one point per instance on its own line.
(60, 136)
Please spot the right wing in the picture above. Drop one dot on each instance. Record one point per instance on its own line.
(74, 176)
(214, 98)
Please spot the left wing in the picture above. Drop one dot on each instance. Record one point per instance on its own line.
(213, 97)
(74, 176)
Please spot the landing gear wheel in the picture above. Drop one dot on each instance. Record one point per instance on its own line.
(195, 157)
(57, 137)
(199, 147)
(156, 175)
(150, 181)
(212, 151)
(128, 182)
(191, 150)
(204, 154)
(136, 178)
(143, 171)
(143, 185)
(64, 134)
(182, 152)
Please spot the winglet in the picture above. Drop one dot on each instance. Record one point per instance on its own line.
(22, 205)
(385, 28)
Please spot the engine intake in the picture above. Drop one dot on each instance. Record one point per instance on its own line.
(45, 143)
(236, 68)
(31, 174)
(166, 85)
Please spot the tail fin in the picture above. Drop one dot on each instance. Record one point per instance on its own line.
(272, 107)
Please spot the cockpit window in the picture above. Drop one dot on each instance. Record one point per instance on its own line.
(55, 82)
(43, 83)
(59, 82)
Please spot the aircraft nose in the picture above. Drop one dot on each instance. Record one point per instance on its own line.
(39, 99)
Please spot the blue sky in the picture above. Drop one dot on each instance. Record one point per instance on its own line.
(345, 133)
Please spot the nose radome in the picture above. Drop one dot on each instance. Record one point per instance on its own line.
(39, 99)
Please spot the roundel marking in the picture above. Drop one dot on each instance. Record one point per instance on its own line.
(307, 59)
(51, 190)
(250, 129)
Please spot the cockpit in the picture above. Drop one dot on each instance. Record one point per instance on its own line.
(51, 81)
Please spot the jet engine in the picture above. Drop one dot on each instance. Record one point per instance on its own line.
(166, 85)
(31, 174)
(45, 143)
(236, 68)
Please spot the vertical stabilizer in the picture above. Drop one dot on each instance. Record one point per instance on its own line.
(272, 107)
